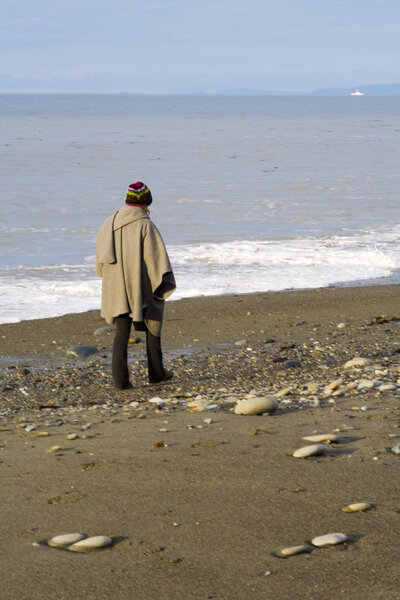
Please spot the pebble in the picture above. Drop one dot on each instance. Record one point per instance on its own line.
(358, 361)
(333, 385)
(292, 550)
(289, 364)
(312, 387)
(306, 451)
(198, 404)
(256, 406)
(102, 330)
(208, 421)
(365, 384)
(42, 434)
(62, 541)
(387, 387)
(91, 543)
(80, 351)
(396, 449)
(283, 392)
(322, 437)
(30, 428)
(86, 426)
(356, 507)
(53, 449)
(156, 400)
(72, 436)
(330, 539)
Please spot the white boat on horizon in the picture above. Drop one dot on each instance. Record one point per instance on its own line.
(357, 93)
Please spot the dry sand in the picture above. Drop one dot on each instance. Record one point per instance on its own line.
(197, 509)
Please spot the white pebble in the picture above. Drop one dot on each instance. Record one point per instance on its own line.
(356, 507)
(198, 404)
(396, 449)
(156, 400)
(387, 387)
(256, 406)
(208, 421)
(292, 550)
(322, 437)
(358, 361)
(305, 451)
(365, 384)
(72, 436)
(62, 541)
(91, 543)
(330, 539)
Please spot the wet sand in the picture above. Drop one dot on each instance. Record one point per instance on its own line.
(196, 498)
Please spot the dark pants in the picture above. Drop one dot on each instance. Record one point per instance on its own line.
(120, 372)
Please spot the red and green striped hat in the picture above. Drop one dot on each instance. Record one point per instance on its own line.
(139, 193)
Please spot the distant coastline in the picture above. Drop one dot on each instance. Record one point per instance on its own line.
(32, 85)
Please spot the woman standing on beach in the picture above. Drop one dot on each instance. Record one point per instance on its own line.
(137, 277)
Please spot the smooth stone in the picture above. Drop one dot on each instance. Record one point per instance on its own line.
(42, 434)
(284, 392)
(80, 351)
(30, 428)
(53, 449)
(292, 550)
(72, 436)
(358, 361)
(102, 330)
(91, 543)
(365, 384)
(256, 406)
(387, 387)
(62, 541)
(198, 404)
(306, 451)
(396, 449)
(333, 385)
(157, 401)
(330, 539)
(322, 437)
(289, 364)
(356, 507)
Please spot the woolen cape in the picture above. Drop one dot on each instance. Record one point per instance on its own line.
(134, 265)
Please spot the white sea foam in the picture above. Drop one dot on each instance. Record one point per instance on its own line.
(214, 269)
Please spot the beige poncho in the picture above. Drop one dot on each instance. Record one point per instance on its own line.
(133, 262)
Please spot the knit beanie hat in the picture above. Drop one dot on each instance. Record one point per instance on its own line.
(139, 193)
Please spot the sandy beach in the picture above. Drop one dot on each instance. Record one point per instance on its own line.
(199, 500)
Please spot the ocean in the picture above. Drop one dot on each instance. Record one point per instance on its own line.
(251, 193)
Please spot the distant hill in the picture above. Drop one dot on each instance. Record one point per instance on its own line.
(249, 92)
(384, 89)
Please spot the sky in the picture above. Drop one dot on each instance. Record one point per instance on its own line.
(188, 46)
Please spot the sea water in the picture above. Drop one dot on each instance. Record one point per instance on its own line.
(250, 193)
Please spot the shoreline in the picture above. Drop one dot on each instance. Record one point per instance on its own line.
(202, 320)
(196, 498)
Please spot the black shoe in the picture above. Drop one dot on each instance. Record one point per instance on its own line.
(127, 386)
(167, 376)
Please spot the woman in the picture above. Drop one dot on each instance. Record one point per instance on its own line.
(137, 277)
